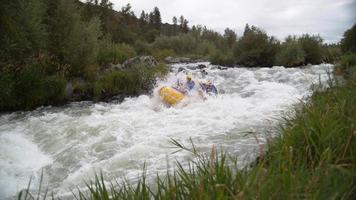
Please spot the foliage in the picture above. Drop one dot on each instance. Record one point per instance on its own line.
(332, 53)
(22, 30)
(255, 48)
(291, 53)
(312, 46)
(114, 53)
(73, 41)
(30, 87)
(181, 44)
(162, 54)
(129, 82)
(220, 58)
(348, 42)
(347, 68)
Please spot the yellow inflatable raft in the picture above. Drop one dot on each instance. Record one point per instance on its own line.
(170, 95)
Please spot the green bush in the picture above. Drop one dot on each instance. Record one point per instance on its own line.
(205, 48)
(312, 46)
(347, 68)
(220, 58)
(331, 53)
(29, 88)
(181, 44)
(143, 48)
(127, 82)
(348, 42)
(160, 55)
(115, 53)
(290, 54)
(256, 48)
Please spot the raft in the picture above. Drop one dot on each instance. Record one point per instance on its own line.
(170, 95)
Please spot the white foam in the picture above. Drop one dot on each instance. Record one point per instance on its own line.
(20, 159)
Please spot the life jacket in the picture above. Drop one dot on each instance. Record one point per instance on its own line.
(190, 84)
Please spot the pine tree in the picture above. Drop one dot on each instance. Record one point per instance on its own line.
(230, 37)
(247, 29)
(157, 18)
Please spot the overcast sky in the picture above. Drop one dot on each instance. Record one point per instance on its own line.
(329, 18)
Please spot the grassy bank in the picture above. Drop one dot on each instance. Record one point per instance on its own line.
(313, 158)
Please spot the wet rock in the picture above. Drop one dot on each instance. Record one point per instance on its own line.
(222, 68)
(146, 61)
(181, 69)
(78, 90)
(69, 90)
(171, 59)
(203, 72)
(201, 66)
(192, 67)
(116, 67)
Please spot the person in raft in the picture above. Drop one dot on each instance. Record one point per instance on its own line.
(186, 87)
(209, 88)
(190, 83)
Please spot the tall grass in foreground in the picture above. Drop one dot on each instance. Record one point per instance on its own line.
(313, 158)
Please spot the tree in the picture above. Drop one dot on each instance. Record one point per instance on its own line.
(246, 30)
(291, 53)
(230, 37)
(23, 31)
(175, 21)
(156, 18)
(183, 24)
(106, 4)
(348, 42)
(256, 48)
(126, 10)
(312, 46)
(73, 41)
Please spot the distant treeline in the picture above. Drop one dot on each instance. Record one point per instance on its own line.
(44, 44)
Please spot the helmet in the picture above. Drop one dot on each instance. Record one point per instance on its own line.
(189, 77)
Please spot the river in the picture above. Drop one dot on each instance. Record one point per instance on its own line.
(72, 142)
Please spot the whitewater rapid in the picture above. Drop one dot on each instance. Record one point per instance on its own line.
(72, 143)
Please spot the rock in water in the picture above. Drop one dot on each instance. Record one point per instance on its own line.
(201, 66)
(146, 61)
(171, 59)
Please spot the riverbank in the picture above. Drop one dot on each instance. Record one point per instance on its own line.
(32, 86)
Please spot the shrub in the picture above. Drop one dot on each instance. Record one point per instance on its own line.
(205, 48)
(143, 48)
(29, 88)
(220, 58)
(312, 46)
(255, 48)
(162, 54)
(348, 42)
(347, 67)
(290, 54)
(132, 81)
(182, 44)
(91, 72)
(331, 53)
(115, 53)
